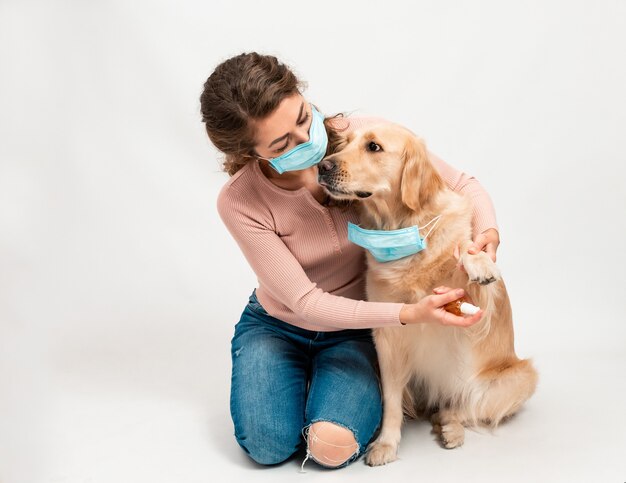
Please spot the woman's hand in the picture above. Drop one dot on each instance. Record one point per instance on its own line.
(488, 241)
(430, 310)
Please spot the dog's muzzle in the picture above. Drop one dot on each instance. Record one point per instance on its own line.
(327, 173)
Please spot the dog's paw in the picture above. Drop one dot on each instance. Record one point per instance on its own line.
(381, 453)
(450, 431)
(480, 268)
(452, 435)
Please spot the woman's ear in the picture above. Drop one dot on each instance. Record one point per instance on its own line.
(420, 181)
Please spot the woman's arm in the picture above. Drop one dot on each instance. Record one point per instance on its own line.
(484, 226)
(283, 276)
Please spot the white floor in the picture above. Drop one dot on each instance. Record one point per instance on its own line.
(132, 409)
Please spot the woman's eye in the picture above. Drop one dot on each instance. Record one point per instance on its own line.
(372, 146)
(280, 150)
(306, 118)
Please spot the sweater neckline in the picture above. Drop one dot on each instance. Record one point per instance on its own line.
(297, 192)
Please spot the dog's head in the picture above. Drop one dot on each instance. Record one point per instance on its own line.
(383, 161)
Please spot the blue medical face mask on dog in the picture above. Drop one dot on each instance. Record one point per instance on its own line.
(388, 245)
(306, 154)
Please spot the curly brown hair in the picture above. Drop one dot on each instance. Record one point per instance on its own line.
(247, 87)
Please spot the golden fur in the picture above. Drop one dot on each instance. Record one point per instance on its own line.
(462, 376)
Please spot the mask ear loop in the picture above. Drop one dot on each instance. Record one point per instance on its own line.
(436, 220)
(257, 157)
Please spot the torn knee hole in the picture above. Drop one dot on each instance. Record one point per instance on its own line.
(330, 444)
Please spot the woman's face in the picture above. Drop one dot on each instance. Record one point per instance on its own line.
(284, 128)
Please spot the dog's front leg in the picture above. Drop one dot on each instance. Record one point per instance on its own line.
(394, 373)
(479, 267)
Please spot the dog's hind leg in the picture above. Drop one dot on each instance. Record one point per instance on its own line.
(499, 393)
(449, 427)
(508, 388)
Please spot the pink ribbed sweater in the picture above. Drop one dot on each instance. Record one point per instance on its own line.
(309, 274)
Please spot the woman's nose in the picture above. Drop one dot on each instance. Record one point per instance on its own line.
(301, 136)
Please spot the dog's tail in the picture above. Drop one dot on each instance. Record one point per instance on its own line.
(498, 392)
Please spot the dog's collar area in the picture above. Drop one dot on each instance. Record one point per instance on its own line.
(389, 245)
(435, 220)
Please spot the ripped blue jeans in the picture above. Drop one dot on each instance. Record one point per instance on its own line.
(284, 378)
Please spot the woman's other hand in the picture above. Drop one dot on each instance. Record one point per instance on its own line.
(487, 241)
(430, 310)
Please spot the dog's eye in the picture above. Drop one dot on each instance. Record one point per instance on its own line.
(372, 146)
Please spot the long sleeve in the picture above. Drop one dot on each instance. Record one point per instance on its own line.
(483, 212)
(283, 277)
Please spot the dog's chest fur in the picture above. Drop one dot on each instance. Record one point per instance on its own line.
(440, 357)
(411, 278)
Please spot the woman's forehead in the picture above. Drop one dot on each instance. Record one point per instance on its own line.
(281, 121)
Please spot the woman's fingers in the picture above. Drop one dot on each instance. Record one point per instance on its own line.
(487, 241)
(447, 295)
(456, 320)
(443, 289)
(478, 244)
(491, 251)
(430, 308)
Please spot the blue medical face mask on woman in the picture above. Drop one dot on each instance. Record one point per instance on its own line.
(306, 154)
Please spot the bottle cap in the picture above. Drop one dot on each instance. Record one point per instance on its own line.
(468, 309)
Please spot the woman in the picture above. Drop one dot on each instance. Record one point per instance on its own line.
(303, 361)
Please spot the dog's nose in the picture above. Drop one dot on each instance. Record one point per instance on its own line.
(326, 166)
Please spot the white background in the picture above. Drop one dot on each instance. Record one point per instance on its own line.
(120, 287)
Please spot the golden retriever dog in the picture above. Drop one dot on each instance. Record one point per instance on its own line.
(459, 376)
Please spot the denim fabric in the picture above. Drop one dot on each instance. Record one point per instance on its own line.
(285, 378)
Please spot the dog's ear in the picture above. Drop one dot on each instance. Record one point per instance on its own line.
(340, 142)
(420, 181)
(338, 134)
